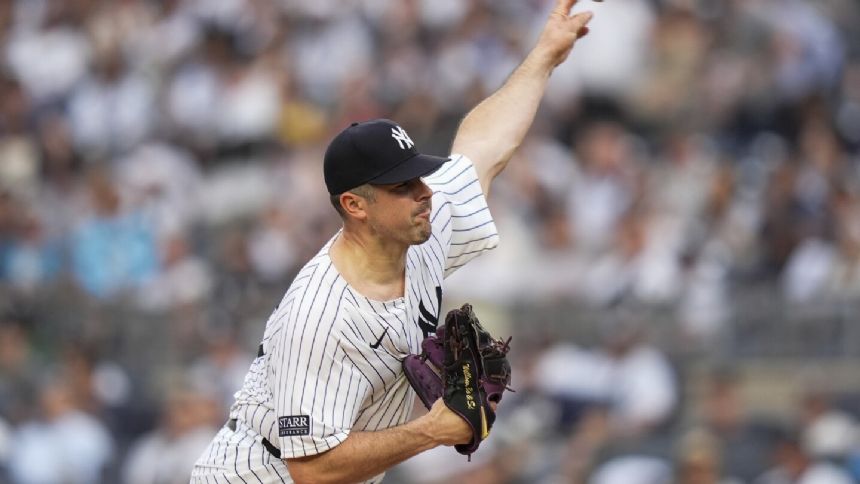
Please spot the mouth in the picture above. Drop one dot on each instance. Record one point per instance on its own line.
(424, 214)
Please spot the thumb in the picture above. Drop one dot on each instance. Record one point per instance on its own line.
(580, 20)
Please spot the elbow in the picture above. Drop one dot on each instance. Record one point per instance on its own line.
(303, 479)
(495, 152)
(304, 471)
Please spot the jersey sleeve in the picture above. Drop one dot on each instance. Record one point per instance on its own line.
(462, 225)
(316, 388)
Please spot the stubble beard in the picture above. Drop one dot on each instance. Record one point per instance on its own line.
(424, 231)
(417, 234)
(424, 227)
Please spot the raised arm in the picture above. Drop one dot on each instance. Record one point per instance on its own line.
(493, 130)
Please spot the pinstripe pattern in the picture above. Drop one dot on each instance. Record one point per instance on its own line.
(238, 456)
(333, 355)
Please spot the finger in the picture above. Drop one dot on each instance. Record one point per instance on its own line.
(563, 6)
(582, 32)
(580, 20)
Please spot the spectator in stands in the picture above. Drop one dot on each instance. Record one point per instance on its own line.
(632, 470)
(623, 395)
(793, 465)
(167, 453)
(19, 369)
(827, 432)
(48, 51)
(745, 440)
(223, 365)
(113, 250)
(32, 258)
(183, 282)
(698, 459)
(61, 199)
(272, 246)
(626, 378)
(112, 110)
(19, 171)
(844, 282)
(643, 389)
(605, 186)
(80, 446)
(162, 181)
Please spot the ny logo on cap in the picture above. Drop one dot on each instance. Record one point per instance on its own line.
(402, 138)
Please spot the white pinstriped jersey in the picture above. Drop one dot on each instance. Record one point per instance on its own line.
(331, 358)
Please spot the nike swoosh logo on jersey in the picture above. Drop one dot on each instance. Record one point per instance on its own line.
(379, 341)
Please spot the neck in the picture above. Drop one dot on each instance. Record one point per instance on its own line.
(373, 267)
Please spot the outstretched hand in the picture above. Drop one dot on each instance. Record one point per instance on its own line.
(561, 32)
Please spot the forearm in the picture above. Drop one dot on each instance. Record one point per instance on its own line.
(493, 130)
(363, 455)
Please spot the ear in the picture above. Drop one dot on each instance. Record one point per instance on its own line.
(354, 206)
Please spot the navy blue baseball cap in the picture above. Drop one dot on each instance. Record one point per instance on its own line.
(378, 152)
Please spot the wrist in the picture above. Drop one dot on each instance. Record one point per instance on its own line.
(539, 62)
(421, 430)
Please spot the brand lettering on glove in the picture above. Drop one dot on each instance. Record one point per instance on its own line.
(467, 374)
(467, 382)
(294, 425)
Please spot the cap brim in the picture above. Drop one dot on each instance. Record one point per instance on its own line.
(415, 167)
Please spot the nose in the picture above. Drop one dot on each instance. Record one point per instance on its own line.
(424, 191)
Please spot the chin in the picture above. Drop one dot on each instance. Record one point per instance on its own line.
(422, 233)
(422, 236)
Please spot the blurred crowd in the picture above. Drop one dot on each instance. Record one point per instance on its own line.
(160, 183)
(619, 412)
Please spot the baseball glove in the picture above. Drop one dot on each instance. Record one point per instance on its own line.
(466, 367)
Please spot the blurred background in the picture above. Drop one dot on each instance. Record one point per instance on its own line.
(680, 258)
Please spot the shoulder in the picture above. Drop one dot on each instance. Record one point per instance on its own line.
(316, 297)
(459, 169)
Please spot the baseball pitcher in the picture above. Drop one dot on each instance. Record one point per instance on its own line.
(327, 399)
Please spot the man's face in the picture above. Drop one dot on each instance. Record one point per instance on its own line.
(401, 212)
